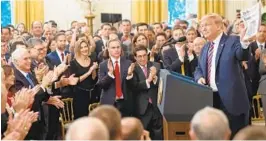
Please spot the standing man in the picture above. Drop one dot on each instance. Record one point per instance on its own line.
(220, 68)
(114, 76)
(145, 87)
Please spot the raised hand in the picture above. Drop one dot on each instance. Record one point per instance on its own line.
(153, 71)
(21, 123)
(94, 66)
(23, 99)
(131, 69)
(110, 67)
(48, 79)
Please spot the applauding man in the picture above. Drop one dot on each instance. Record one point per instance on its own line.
(114, 78)
(145, 87)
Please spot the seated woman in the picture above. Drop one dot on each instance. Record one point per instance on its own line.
(83, 68)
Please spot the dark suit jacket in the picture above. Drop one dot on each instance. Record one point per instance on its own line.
(229, 74)
(107, 83)
(140, 89)
(99, 47)
(171, 61)
(54, 60)
(253, 67)
(41, 96)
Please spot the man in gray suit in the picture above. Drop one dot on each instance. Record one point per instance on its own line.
(262, 82)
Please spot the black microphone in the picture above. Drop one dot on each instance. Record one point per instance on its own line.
(181, 39)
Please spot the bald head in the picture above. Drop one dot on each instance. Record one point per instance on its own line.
(209, 124)
(111, 117)
(87, 128)
(251, 133)
(132, 128)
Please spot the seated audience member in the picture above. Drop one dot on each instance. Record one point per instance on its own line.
(111, 118)
(251, 133)
(209, 124)
(132, 129)
(87, 128)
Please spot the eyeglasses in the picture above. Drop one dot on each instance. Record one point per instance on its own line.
(142, 56)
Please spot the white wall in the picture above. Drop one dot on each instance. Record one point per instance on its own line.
(65, 11)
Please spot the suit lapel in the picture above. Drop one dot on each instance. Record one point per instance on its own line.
(220, 49)
(122, 69)
(204, 58)
(58, 61)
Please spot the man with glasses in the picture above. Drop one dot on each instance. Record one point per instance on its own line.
(145, 83)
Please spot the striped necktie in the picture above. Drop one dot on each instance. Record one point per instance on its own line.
(210, 54)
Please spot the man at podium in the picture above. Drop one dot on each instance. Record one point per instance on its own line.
(219, 67)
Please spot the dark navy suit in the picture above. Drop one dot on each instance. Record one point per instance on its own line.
(229, 79)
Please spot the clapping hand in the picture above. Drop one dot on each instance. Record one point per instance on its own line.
(48, 79)
(23, 99)
(72, 80)
(110, 67)
(94, 66)
(152, 75)
(21, 123)
(131, 69)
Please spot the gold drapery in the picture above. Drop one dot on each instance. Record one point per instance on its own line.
(27, 11)
(210, 6)
(149, 11)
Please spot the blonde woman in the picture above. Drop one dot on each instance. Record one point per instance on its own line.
(85, 70)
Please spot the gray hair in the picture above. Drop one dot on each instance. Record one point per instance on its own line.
(17, 54)
(87, 128)
(210, 124)
(34, 41)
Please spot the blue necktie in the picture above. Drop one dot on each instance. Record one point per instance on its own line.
(29, 80)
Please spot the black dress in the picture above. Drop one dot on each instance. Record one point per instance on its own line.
(83, 93)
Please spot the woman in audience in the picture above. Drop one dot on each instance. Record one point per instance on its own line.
(83, 68)
(51, 46)
(20, 28)
(9, 82)
(191, 35)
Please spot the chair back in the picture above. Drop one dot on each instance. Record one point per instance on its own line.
(67, 113)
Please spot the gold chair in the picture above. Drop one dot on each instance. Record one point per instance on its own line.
(93, 106)
(66, 115)
(257, 109)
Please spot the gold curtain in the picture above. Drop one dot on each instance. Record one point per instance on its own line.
(210, 6)
(27, 11)
(149, 11)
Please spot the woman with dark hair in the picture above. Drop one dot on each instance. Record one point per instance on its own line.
(51, 46)
(83, 68)
(141, 39)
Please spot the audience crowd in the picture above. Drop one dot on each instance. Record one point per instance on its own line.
(119, 68)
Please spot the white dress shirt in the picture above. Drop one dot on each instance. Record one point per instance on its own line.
(261, 44)
(60, 56)
(213, 68)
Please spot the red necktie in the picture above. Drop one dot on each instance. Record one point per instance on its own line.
(62, 55)
(117, 81)
(210, 54)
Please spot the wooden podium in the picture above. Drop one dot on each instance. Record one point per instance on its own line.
(179, 98)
